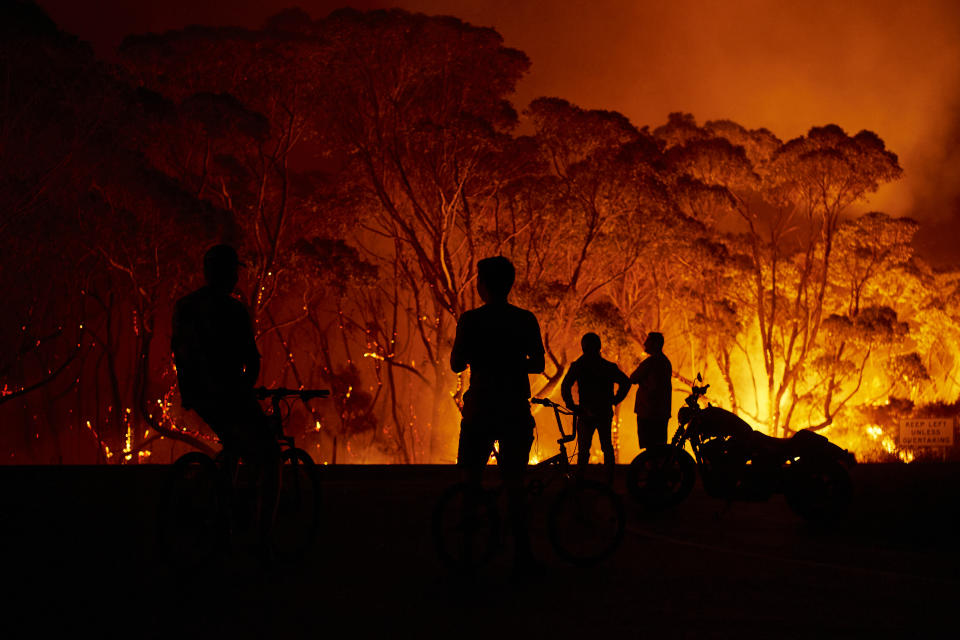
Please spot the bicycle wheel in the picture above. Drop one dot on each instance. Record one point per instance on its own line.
(298, 508)
(190, 519)
(466, 527)
(661, 477)
(586, 523)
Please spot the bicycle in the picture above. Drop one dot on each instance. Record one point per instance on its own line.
(210, 501)
(585, 522)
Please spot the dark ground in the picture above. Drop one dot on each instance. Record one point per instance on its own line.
(81, 555)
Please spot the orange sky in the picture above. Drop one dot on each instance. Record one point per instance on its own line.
(887, 65)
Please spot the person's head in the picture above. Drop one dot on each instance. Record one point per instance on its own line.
(653, 343)
(495, 278)
(220, 265)
(590, 343)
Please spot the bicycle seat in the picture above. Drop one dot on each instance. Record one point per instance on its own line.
(566, 439)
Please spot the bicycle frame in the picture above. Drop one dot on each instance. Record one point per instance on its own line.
(276, 395)
(576, 512)
(232, 459)
(564, 437)
(562, 458)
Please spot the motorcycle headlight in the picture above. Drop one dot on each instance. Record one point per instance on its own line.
(684, 415)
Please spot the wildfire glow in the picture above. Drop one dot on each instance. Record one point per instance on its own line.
(749, 248)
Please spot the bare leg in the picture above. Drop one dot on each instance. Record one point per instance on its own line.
(514, 456)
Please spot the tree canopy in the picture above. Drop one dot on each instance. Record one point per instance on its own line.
(362, 163)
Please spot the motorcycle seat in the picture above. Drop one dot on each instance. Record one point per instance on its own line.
(762, 444)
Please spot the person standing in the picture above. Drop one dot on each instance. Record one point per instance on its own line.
(654, 389)
(501, 344)
(595, 378)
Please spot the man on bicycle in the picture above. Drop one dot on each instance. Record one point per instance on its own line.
(595, 378)
(501, 344)
(217, 363)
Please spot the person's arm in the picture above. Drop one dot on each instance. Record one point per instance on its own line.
(458, 355)
(637, 376)
(251, 369)
(184, 339)
(665, 384)
(251, 354)
(182, 331)
(623, 385)
(566, 386)
(535, 360)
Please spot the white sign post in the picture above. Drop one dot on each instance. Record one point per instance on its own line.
(926, 432)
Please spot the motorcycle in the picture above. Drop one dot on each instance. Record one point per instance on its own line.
(738, 463)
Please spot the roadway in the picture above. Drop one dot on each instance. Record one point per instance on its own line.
(81, 555)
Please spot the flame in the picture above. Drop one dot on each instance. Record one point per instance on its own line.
(128, 442)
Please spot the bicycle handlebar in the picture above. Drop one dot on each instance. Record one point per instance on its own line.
(281, 392)
(557, 410)
(553, 405)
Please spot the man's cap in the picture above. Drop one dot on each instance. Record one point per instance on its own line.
(222, 255)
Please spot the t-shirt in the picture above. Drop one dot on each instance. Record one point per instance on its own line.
(497, 341)
(212, 343)
(595, 378)
(654, 387)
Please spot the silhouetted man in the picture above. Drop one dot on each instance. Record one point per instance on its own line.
(654, 389)
(595, 378)
(501, 344)
(217, 365)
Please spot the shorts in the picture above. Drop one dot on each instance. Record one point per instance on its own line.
(514, 434)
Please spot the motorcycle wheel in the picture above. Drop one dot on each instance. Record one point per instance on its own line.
(661, 477)
(819, 492)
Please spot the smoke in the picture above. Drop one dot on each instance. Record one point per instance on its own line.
(936, 194)
(889, 66)
(883, 65)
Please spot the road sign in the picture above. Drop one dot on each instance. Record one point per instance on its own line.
(926, 432)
